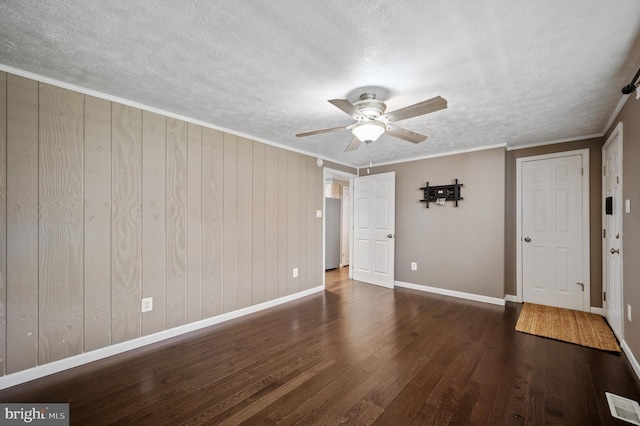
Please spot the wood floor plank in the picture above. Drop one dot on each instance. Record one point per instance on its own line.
(354, 354)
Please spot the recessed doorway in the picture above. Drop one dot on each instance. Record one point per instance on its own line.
(338, 213)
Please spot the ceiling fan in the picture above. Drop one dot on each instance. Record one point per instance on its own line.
(372, 122)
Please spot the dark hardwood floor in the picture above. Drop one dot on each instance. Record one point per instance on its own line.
(356, 354)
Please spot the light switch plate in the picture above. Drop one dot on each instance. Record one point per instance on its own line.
(318, 213)
(627, 205)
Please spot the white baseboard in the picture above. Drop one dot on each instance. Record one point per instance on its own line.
(87, 357)
(510, 298)
(632, 359)
(452, 293)
(599, 311)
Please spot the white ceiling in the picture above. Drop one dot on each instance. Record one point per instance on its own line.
(514, 72)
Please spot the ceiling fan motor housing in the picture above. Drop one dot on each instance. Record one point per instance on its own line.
(369, 106)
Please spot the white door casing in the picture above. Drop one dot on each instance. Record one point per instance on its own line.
(553, 233)
(344, 233)
(374, 229)
(612, 231)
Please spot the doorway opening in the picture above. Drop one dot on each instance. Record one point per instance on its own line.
(338, 214)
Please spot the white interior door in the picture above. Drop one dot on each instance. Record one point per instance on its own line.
(552, 235)
(612, 231)
(374, 229)
(344, 238)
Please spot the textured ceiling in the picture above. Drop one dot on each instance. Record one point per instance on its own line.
(513, 72)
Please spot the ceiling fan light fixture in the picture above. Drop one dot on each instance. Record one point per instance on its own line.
(368, 130)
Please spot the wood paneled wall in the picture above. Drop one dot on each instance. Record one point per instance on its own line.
(103, 204)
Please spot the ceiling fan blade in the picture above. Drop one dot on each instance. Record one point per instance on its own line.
(421, 108)
(317, 132)
(346, 106)
(404, 134)
(353, 145)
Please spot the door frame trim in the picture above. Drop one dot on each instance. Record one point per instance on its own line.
(617, 133)
(586, 242)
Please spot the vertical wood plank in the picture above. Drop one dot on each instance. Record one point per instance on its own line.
(3, 222)
(97, 223)
(259, 217)
(194, 222)
(61, 193)
(311, 222)
(22, 214)
(154, 156)
(272, 222)
(293, 222)
(230, 239)
(303, 281)
(126, 229)
(212, 221)
(176, 265)
(283, 216)
(319, 230)
(245, 223)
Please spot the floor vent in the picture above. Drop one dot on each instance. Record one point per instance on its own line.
(623, 408)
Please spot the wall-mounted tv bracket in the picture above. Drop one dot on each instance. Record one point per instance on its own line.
(440, 194)
(631, 87)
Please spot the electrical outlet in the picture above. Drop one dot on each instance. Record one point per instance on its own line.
(147, 304)
(295, 272)
(414, 266)
(629, 312)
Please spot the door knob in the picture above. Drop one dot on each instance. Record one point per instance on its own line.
(390, 236)
(527, 239)
(614, 251)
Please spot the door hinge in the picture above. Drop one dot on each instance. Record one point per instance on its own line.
(617, 179)
(582, 171)
(604, 233)
(604, 171)
(605, 296)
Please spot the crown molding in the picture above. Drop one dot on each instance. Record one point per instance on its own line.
(577, 138)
